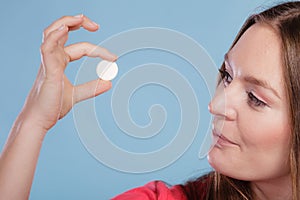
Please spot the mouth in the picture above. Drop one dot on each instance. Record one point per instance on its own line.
(221, 140)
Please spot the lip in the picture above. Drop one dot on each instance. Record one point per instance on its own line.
(222, 140)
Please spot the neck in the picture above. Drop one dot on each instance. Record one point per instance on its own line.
(275, 189)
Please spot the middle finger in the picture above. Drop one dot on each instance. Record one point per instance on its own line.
(73, 23)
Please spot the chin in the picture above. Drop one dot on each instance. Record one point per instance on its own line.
(221, 165)
(213, 161)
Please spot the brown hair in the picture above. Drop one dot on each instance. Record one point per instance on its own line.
(285, 20)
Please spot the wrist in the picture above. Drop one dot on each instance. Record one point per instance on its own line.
(29, 124)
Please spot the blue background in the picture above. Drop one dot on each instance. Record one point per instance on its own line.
(65, 169)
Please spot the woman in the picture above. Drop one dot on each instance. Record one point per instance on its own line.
(256, 113)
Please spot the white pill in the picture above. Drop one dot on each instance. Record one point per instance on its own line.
(107, 70)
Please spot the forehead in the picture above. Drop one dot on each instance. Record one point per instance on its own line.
(258, 54)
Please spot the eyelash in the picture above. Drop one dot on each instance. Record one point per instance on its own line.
(225, 76)
(252, 99)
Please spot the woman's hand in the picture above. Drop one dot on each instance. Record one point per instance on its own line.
(51, 98)
(53, 95)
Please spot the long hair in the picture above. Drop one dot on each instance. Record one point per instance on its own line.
(284, 19)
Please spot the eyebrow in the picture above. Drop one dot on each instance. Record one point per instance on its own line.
(255, 81)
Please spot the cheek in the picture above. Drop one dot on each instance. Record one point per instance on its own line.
(265, 142)
(264, 145)
(264, 132)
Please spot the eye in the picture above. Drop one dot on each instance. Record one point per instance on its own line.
(226, 78)
(254, 101)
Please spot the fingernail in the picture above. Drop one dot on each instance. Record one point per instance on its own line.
(115, 57)
(94, 23)
(78, 16)
(61, 27)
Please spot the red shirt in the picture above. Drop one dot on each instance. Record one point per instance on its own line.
(155, 190)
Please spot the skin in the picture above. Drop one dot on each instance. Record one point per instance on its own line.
(253, 118)
(260, 134)
(51, 89)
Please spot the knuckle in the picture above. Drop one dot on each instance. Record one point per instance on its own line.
(43, 48)
(84, 43)
(47, 47)
(85, 47)
(63, 18)
(45, 32)
(48, 30)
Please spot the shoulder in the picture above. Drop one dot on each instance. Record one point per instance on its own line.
(156, 190)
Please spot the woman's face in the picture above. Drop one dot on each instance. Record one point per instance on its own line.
(250, 110)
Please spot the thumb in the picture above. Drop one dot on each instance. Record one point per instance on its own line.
(90, 89)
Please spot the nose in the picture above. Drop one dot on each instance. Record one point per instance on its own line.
(224, 103)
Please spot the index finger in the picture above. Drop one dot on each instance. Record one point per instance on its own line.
(78, 50)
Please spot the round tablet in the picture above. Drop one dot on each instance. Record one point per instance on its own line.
(107, 70)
